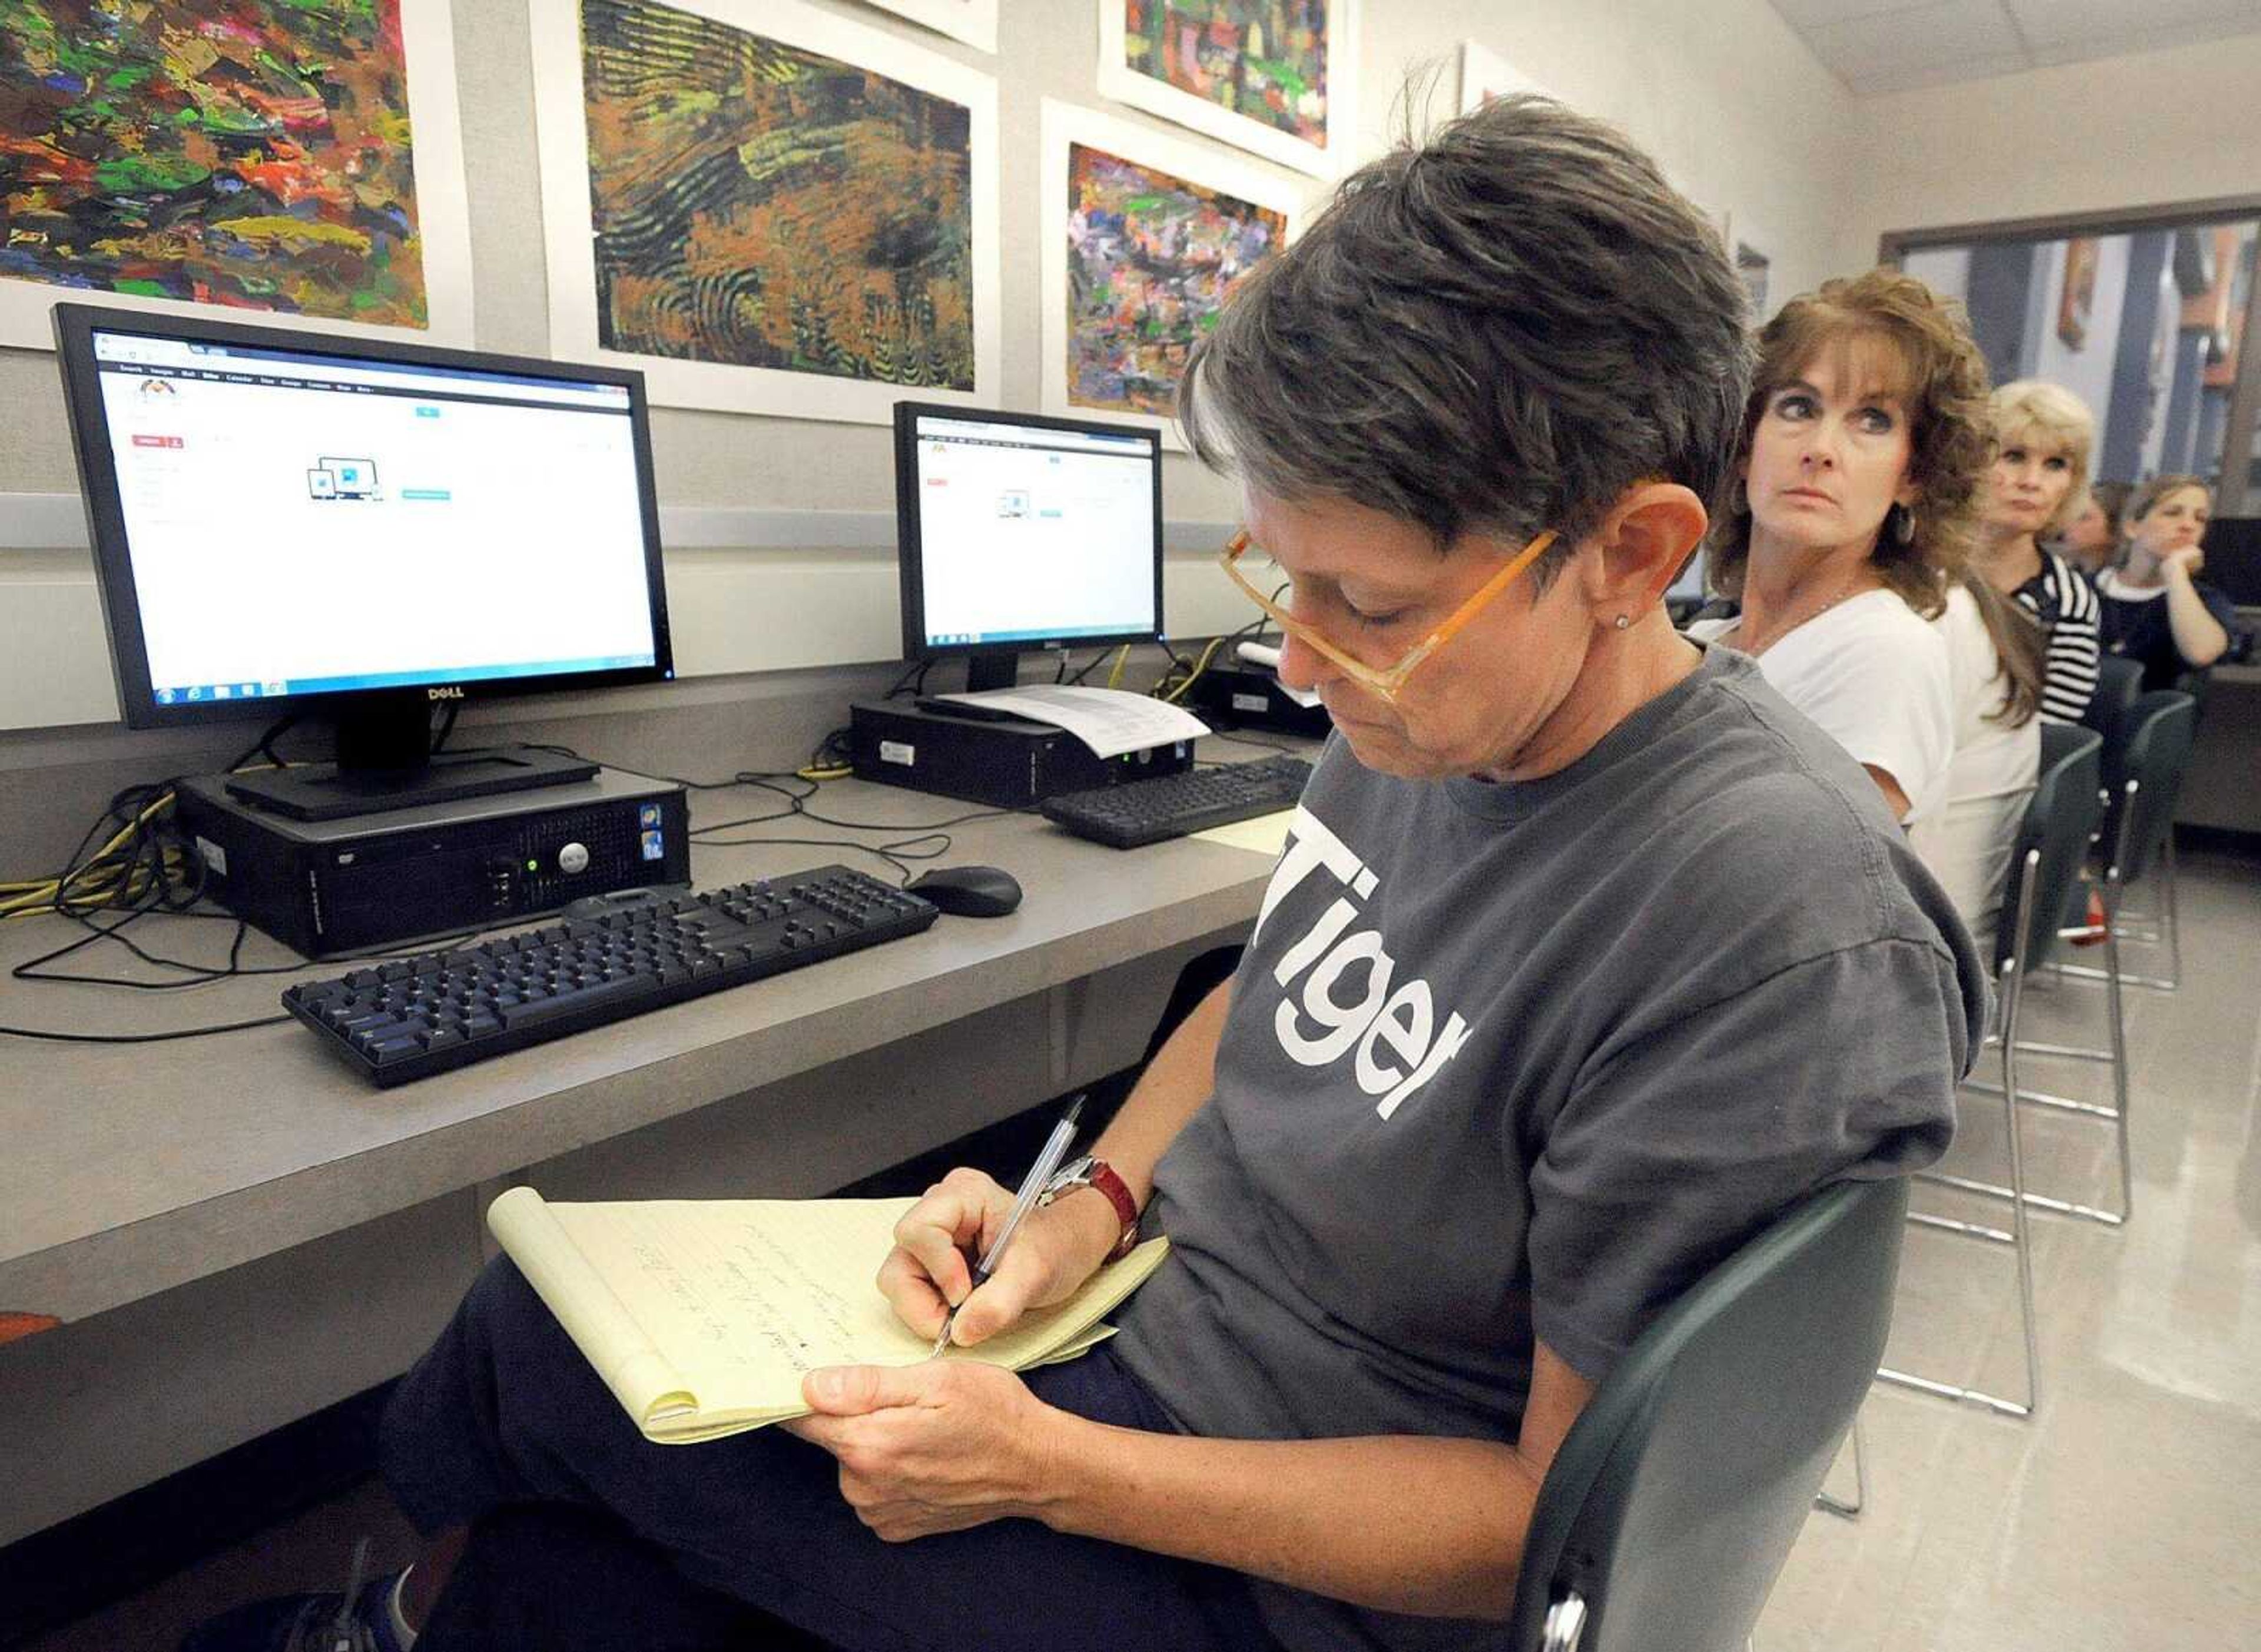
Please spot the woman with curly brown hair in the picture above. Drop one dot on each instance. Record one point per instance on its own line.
(1863, 443)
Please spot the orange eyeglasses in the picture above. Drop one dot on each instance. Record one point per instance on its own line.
(1390, 682)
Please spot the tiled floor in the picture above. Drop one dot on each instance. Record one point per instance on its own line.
(2124, 1515)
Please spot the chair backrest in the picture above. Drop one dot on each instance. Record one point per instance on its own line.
(2118, 681)
(1675, 1496)
(2197, 681)
(2159, 732)
(2061, 818)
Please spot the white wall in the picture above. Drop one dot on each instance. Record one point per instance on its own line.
(1946, 270)
(2157, 126)
(1737, 111)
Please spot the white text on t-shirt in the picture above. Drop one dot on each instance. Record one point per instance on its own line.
(1399, 1047)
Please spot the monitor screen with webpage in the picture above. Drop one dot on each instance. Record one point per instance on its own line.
(278, 520)
(289, 522)
(1018, 533)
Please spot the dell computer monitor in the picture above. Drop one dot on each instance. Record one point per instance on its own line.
(1016, 532)
(291, 522)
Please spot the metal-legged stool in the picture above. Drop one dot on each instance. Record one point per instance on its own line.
(2052, 843)
(2157, 734)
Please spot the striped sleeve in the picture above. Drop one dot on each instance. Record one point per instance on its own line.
(2068, 671)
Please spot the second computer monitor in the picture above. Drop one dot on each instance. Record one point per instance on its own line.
(1017, 532)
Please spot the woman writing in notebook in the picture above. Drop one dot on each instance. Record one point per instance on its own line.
(1551, 1004)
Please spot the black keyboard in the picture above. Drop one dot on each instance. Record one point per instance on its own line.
(1140, 812)
(422, 1014)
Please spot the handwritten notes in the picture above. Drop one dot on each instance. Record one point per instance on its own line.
(702, 1316)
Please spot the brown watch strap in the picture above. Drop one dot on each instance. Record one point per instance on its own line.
(1104, 1180)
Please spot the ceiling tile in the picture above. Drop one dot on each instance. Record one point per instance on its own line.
(2133, 44)
(2114, 26)
(1860, 48)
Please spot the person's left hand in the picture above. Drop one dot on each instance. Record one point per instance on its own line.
(932, 1448)
(2189, 558)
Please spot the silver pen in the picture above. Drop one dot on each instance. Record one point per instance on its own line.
(1031, 1186)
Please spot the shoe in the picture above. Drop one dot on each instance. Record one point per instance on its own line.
(2093, 935)
(355, 1618)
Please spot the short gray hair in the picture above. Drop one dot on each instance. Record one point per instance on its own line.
(1498, 331)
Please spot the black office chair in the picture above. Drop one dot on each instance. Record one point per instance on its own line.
(1678, 1493)
(2197, 681)
(2143, 773)
(2119, 684)
(2045, 865)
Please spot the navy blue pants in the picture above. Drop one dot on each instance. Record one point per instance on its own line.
(581, 1526)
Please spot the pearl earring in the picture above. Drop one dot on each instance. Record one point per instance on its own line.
(1624, 620)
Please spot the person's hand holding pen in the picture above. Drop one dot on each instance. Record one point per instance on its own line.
(943, 1238)
(945, 1445)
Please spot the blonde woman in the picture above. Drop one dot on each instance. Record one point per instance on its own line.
(2157, 610)
(2044, 436)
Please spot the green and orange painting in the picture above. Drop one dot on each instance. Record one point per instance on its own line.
(1263, 59)
(247, 152)
(759, 205)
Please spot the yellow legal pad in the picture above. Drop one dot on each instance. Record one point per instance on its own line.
(1265, 834)
(702, 1316)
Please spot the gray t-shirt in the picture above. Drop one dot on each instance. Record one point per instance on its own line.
(1509, 1062)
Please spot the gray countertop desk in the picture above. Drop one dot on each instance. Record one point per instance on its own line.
(206, 1197)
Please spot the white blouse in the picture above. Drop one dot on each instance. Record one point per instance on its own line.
(1967, 842)
(1874, 675)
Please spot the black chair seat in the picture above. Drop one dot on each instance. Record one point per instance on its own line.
(1675, 1497)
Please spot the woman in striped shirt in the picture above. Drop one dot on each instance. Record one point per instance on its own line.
(2042, 438)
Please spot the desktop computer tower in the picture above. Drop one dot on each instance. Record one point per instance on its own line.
(1241, 697)
(327, 886)
(1005, 762)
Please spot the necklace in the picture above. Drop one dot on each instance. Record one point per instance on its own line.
(1756, 643)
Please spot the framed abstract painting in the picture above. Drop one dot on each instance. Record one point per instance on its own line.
(1144, 239)
(1278, 78)
(2078, 302)
(302, 163)
(765, 207)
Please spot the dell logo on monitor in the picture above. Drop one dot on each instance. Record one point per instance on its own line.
(452, 690)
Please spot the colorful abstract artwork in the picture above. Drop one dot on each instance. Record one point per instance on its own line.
(1151, 260)
(2078, 302)
(1274, 77)
(255, 154)
(755, 205)
(1263, 59)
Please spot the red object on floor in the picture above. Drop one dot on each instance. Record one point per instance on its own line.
(2096, 929)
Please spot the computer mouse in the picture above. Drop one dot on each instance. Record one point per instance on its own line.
(968, 892)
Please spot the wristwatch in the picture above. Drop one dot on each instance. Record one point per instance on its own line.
(1097, 1173)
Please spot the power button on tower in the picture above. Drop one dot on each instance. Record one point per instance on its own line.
(574, 857)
